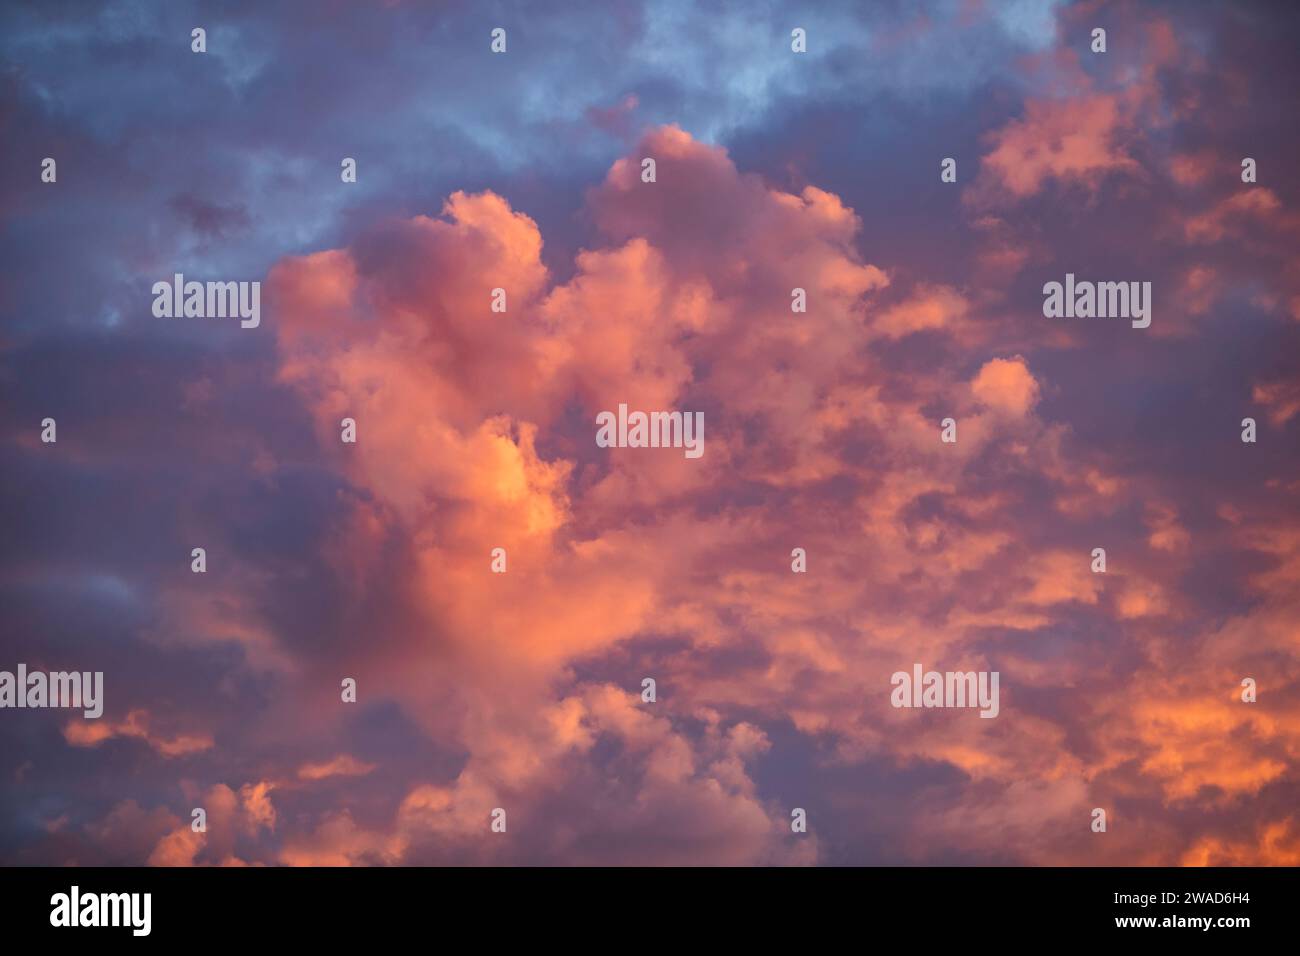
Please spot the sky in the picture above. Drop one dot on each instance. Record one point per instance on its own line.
(522, 691)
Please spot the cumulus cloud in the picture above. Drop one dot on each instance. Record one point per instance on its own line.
(687, 298)
(1006, 385)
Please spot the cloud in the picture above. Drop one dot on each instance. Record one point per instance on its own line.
(1282, 399)
(1006, 385)
(927, 308)
(230, 816)
(1076, 141)
(343, 765)
(677, 309)
(475, 431)
(1230, 215)
(87, 733)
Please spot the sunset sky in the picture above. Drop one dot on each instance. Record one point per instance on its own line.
(476, 430)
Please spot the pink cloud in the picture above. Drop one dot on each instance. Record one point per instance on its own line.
(1074, 141)
(1006, 385)
(136, 724)
(475, 431)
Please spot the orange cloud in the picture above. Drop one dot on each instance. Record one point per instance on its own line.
(1075, 141)
(343, 765)
(475, 431)
(1006, 385)
(1231, 215)
(88, 733)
